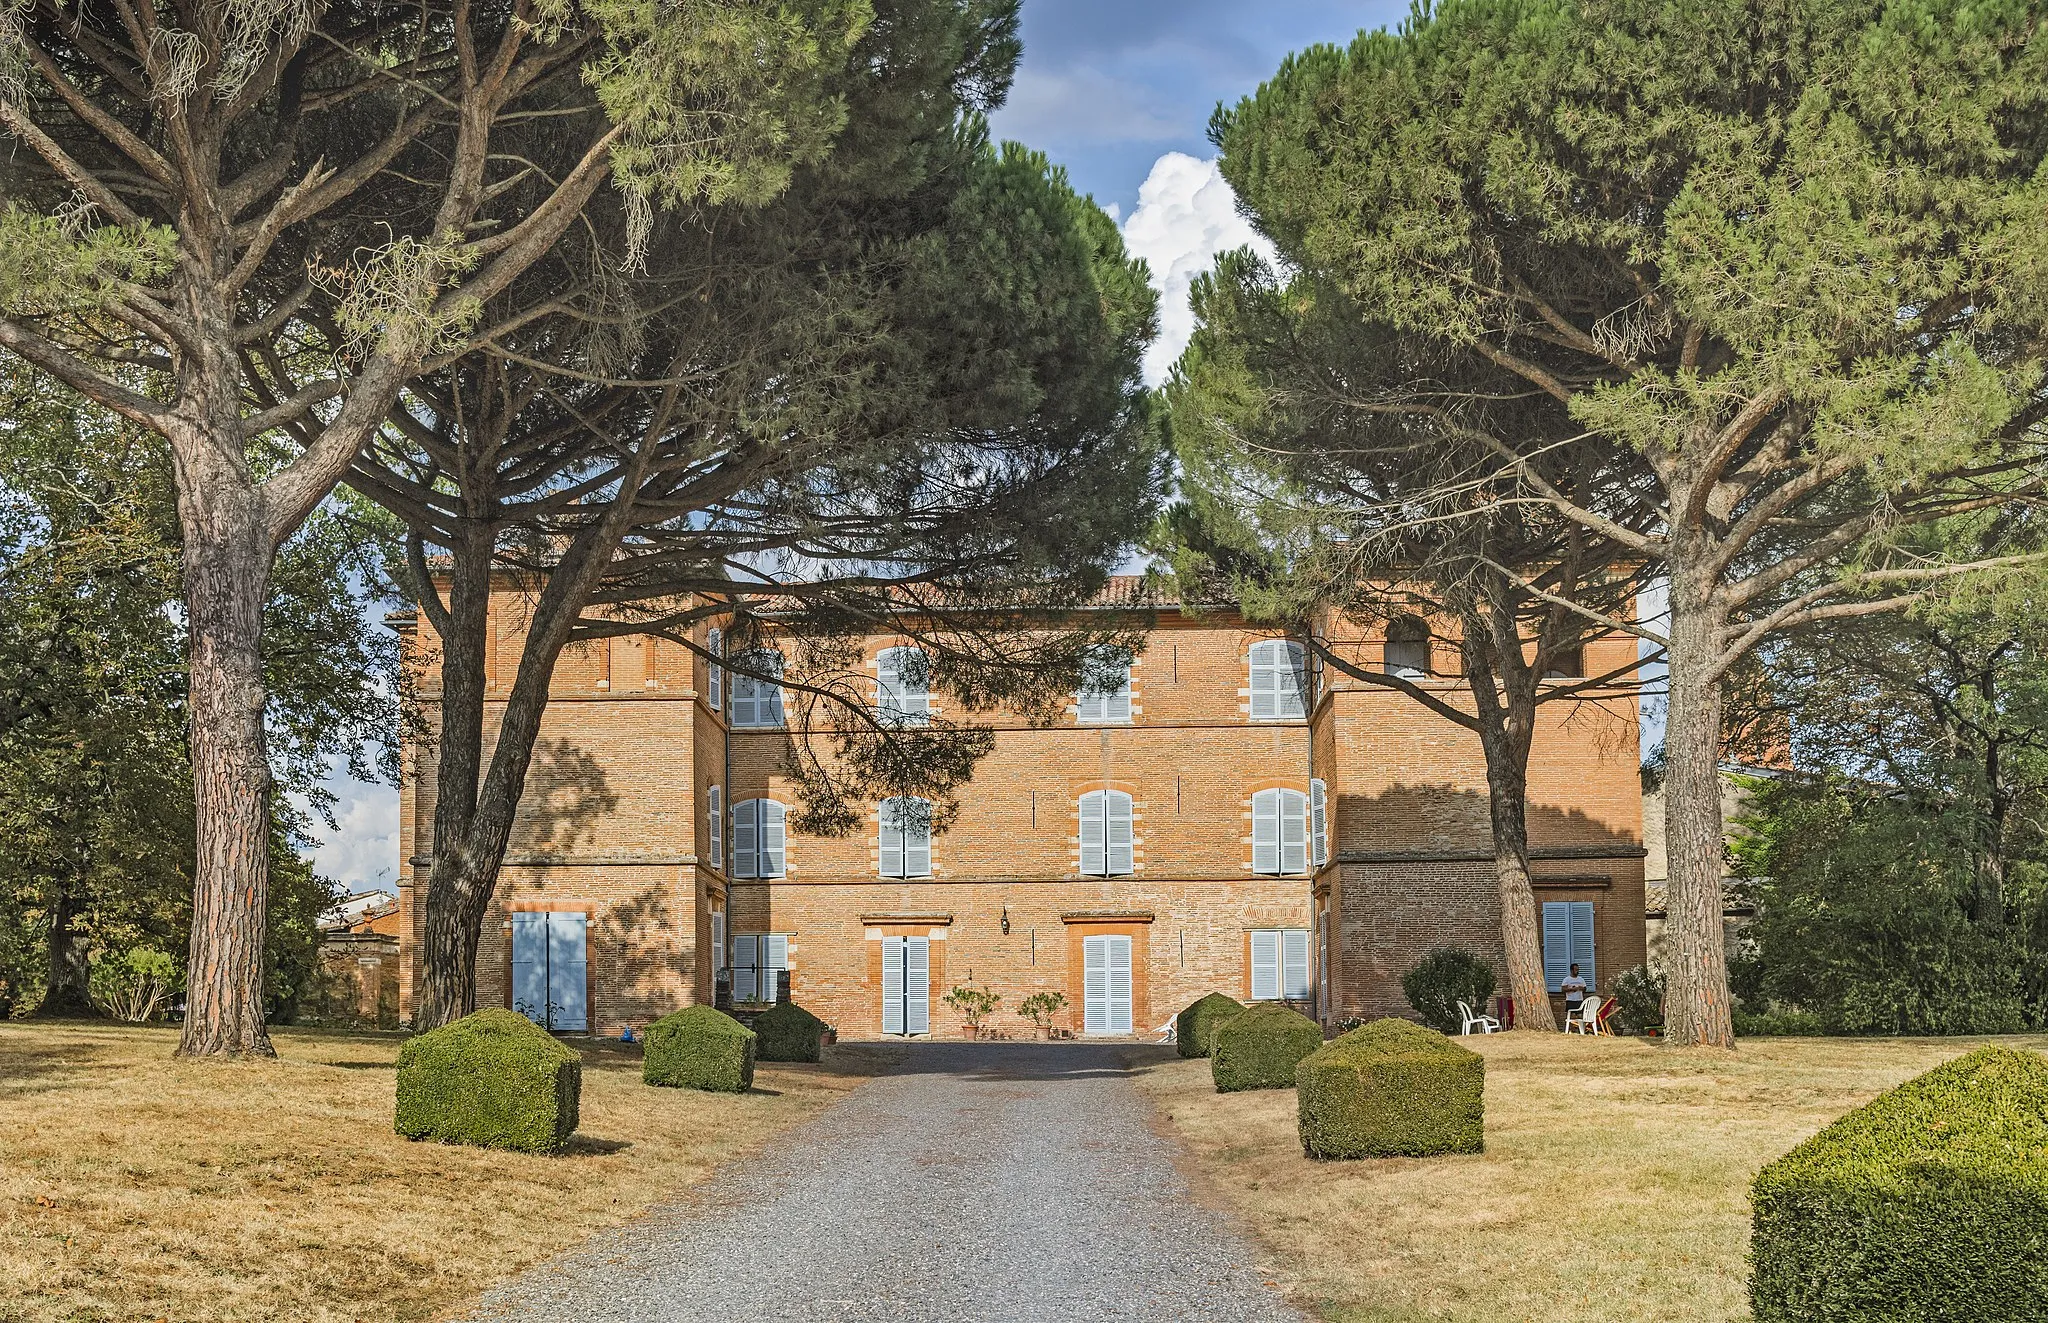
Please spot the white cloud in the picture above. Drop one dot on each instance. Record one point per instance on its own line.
(1186, 214)
(362, 852)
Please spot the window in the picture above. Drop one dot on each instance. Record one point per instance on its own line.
(903, 692)
(757, 702)
(1106, 834)
(1279, 681)
(758, 961)
(1318, 823)
(1105, 697)
(906, 837)
(1567, 663)
(757, 838)
(714, 816)
(717, 944)
(550, 969)
(1567, 941)
(715, 679)
(1280, 965)
(1279, 832)
(1407, 649)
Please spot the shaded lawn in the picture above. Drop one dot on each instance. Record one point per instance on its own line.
(1614, 1185)
(135, 1186)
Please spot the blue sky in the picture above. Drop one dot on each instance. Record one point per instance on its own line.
(1119, 92)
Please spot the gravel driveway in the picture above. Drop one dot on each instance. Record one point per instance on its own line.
(977, 1181)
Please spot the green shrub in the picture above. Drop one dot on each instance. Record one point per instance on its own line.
(1391, 1089)
(494, 1079)
(787, 1032)
(1042, 1007)
(1258, 1047)
(699, 1047)
(1194, 1030)
(1444, 977)
(1777, 1024)
(1929, 1204)
(1639, 999)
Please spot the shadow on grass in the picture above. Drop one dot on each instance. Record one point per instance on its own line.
(589, 1146)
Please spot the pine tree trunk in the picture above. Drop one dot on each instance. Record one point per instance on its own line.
(1697, 1004)
(1507, 795)
(227, 559)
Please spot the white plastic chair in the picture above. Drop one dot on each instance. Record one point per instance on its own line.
(1169, 1031)
(1485, 1024)
(1585, 1020)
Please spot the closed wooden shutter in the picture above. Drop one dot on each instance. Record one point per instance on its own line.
(1557, 943)
(745, 967)
(903, 686)
(1293, 832)
(714, 817)
(530, 966)
(746, 838)
(891, 838)
(1119, 1009)
(774, 949)
(1095, 985)
(1111, 704)
(717, 941)
(1265, 966)
(1265, 682)
(758, 702)
(1119, 858)
(1293, 681)
(892, 985)
(1266, 831)
(1294, 977)
(1582, 940)
(917, 985)
(917, 839)
(771, 838)
(568, 993)
(1095, 833)
(715, 677)
(1318, 822)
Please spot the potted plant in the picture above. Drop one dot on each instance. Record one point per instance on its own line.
(1041, 1007)
(974, 1005)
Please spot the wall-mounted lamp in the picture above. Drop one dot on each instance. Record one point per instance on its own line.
(1006, 920)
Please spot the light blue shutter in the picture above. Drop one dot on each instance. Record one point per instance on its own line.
(1094, 833)
(917, 840)
(770, 700)
(1557, 943)
(1293, 832)
(903, 686)
(892, 985)
(1582, 940)
(1318, 821)
(1293, 681)
(771, 838)
(917, 985)
(714, 818)
(1118, 858)
(568, 964)
(713, 642)
(1265, 966)
(1119, 980)
(1117, 704)
(774, 948)
(1266, 831)
(745, 967)
(1095, 985)
(1265, 682)
(530, 966)
(746, 834)
(892, 838)
(1294, 981)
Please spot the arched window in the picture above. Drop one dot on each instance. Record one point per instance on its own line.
(1279, 681)
(1407, 649)
(906, 837)
(714, 643)
(757, 702)
(757, 837)
(1105, 696)
(1106, 834)
(903, 691)
(1279, 832)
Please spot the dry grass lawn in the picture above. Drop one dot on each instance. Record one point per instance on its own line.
(1613, 1186)
(136, 1187)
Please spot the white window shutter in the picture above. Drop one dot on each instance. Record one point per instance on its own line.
(1265, 966)
(892, 985)
(771, 838)
(1318, 821)
(1091, 706)
(1582, 940)
(1119, 1007)
(1095, 985)
(903, 686)
(1266, 831)
(1094, 834)
(1118, 856)
(530, 966)
(1557, 943)
(917, 840)
(1294, 980)
(917, 985)
(1111, 705)
(745, 966)
(1265, 683)
(713, 643)
(717, 941)
(774, 959)
(891, 840)
(714, 821)
(1293, 680)
(746, 835)
(1293, 832)
(1117, 706)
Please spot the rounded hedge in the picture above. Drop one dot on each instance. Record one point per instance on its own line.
(699, 1047)
(1258, 1047)
(787, 1032)
(1390, 1089)
(1194, 1029)
(1928, 1203)
(494, 1079)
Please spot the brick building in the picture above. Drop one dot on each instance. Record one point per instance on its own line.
(1226, 820)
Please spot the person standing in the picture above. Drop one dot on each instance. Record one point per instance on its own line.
(1574, 989)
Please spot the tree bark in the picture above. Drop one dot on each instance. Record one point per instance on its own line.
(66, 990)
(1507, 798)
(1697, 1010)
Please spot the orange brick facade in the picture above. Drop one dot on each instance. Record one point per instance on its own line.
(615, 826)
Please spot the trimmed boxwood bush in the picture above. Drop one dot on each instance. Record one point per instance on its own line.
(494, 1079)
(699, 1047)
(1928, 1204)
(787, 1032)
(1257, 1047)
(1194, 1029)
(1391, 1089)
